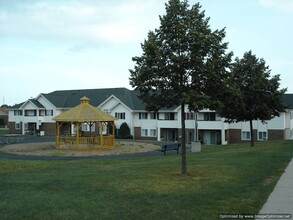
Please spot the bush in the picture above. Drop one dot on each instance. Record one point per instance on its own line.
(124, 132)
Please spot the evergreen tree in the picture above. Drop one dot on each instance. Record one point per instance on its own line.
(124, 131)
(183, 62)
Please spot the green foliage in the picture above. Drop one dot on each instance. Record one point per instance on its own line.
(124, 131)
(256, 95)
(224, 179)
(252, 93)
(183, 62)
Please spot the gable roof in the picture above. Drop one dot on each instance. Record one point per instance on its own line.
(69, 98)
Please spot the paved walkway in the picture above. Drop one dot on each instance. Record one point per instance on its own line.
(281, 199)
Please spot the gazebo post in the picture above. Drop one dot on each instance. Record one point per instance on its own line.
(57, 141)
(113, 128)
(101, 133)
(70, 126)
(77, 133)
(90, 124)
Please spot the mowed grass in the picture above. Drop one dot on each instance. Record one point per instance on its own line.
(4, 131)
(221, 179)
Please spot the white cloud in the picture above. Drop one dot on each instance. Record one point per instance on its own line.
(122, 21)
(283, 5)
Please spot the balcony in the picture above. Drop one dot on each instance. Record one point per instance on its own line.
(168, 124)
(210, 125)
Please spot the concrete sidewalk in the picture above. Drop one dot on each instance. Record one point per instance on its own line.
(281, 199)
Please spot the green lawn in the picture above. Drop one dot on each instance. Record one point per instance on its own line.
(4, 131)
(222, 179)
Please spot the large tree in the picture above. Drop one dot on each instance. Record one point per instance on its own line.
(252, 94)
(183, 63)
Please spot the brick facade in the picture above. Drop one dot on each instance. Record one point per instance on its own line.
(276, 134)
(48, 128)
(12, 129)
(137, 135)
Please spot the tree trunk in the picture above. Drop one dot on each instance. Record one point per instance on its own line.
(183, 158)
(251, 134)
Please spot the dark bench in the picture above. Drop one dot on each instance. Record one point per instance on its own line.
(171, 146)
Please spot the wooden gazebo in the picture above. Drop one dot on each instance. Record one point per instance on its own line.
(84, 127)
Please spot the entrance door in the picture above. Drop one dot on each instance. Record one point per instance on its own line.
(32, 128)
(190, 136)
(210, 137)
(169, 135)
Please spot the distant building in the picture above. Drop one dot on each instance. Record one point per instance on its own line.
(3, 117)
(36, 115)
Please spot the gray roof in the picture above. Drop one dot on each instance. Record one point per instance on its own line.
(71, 98)
(288, 100)
(36, 103)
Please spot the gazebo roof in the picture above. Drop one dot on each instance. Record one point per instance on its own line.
(84, 112)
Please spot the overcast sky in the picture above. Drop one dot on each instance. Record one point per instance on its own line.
(48, 45)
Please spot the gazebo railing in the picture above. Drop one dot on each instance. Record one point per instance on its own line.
(96, 142)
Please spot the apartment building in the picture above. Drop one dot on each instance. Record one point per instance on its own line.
(35, 116)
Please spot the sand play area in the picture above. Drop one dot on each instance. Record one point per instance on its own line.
(48, 149)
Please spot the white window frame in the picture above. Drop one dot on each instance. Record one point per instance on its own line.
(85, 127)
(245, 136)
(17, 126)
(49, 112)
(120, 115)
(262, 135)
(17, 112)
(153, 132)
(144, 132)
(154, 116)
(143, 115)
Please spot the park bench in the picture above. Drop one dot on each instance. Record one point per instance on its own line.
(170, 146)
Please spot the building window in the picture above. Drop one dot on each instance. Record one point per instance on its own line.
(84, 127)
(42, 113)
(189, 116)
(30, 113)
(262, 135)
(245, 135)
(143, 115)
(49, 112)
(17, 112)
(153, 132)
(154, 115)
(209, 116)
(169, 116)
(144, 132)
(17, 126)
(120, 115)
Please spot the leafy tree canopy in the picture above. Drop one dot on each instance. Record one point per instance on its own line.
(183, 61)
(253, 94)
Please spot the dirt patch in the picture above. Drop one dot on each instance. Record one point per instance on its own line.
(48, 149)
